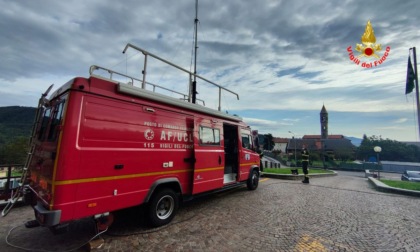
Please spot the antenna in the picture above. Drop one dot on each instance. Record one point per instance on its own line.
(194, 84)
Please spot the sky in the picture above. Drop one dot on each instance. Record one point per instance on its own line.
(285, 59)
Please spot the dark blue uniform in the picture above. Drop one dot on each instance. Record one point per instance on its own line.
(305, 162)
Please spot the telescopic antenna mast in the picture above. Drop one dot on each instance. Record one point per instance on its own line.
(194, 84)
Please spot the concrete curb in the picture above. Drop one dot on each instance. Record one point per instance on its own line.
(385, 188)
(296, 177)
(378, 184)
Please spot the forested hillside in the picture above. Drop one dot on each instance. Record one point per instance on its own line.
(15, 128)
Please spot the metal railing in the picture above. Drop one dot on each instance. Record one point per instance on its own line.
(10, 175)
(93, 68)
(190, 75)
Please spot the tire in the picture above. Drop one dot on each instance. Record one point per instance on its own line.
(162, 208)
(252, 182)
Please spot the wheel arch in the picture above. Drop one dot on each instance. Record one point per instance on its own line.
(252, 168)
(172, 183)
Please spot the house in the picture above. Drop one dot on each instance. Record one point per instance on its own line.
(280, 144)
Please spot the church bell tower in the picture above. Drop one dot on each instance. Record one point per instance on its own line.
(324, 122)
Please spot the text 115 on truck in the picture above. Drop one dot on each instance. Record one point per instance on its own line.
(100, 145)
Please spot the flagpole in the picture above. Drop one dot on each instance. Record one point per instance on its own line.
(417, 87)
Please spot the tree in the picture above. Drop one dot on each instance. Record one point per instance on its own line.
(14, 152)
(15, 122)
(344, 154)
(391, 150)
(269, 142)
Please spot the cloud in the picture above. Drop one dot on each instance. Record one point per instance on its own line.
(401, 120)
(281, 57)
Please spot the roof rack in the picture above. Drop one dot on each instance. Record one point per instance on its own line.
(188, 96)
(93, 68)
(143, 82)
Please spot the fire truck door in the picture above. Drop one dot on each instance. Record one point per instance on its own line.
(231, 151)
(209, 158)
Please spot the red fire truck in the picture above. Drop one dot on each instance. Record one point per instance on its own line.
(100, 145)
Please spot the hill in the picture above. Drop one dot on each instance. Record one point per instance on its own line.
(355, 141)
(15, 122)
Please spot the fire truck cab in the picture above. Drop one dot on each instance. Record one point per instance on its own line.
(100, 145)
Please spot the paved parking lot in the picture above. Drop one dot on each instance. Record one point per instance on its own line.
(340, 213)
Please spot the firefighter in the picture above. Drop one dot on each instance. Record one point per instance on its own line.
(305, 162)
(261, 162)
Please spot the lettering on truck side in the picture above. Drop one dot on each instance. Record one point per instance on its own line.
(177, 137)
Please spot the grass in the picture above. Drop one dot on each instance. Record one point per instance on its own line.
(14, 174)
(402, 184)
(288, 170)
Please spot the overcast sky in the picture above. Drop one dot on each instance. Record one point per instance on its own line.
(285, 59)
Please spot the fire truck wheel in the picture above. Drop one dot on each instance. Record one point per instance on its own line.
(162, 207)
(252, 182)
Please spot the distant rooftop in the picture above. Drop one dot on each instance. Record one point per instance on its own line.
(319, 137)
(280, 140)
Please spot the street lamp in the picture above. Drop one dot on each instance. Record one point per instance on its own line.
(295, 145)
(377, 149)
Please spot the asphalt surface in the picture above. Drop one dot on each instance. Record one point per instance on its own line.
(339, 213)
